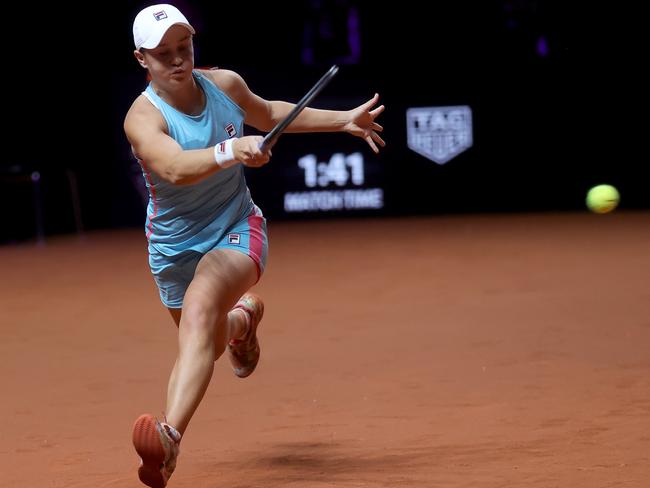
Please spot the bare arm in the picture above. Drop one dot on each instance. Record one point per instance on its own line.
(264, 115)
(146, 130)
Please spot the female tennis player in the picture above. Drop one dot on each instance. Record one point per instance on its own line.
(207, 239)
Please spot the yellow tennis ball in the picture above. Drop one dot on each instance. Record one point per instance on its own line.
(602, 198)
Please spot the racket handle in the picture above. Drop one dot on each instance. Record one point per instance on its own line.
(270, 139)
(265, 145)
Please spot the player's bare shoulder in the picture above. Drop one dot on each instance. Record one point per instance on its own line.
(228, 81)
(143, 114)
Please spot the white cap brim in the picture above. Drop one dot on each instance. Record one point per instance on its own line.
(157, 36)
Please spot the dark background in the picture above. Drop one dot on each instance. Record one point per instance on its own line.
(546, 124)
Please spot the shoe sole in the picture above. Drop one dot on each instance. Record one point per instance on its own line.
(146, 440)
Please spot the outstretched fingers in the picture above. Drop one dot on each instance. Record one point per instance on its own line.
(371, 102)
(373, 139)
(372, 144)
(364, 119)
(375, 113)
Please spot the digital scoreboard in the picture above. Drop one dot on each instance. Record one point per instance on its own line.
(335, 184)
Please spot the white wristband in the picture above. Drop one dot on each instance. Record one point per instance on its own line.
(223, 153)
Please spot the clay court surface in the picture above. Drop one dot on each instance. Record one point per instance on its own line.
(448, 351)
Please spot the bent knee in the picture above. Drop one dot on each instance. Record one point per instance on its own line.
(199, 318)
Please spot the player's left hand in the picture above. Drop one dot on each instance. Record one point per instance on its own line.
(362, 123)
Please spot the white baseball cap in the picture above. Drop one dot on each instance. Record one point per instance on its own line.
(151, 23)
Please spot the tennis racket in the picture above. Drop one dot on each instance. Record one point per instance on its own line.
(272, 137)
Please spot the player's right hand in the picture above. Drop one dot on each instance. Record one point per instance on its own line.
(247, 150)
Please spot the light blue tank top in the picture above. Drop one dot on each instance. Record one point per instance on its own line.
(194, 217)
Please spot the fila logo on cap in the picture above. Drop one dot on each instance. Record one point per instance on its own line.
(160, 15)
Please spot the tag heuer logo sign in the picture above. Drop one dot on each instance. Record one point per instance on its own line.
(439, 133)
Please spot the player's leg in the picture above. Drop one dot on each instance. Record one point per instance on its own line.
(221, 278)
(158, 442)
(207, 292)
(249, 237)
(248, 240)
(236, 328)
(176, 314)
